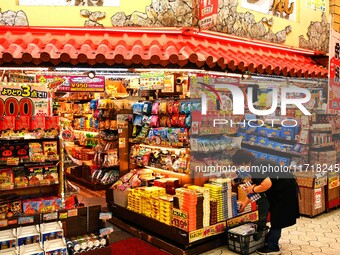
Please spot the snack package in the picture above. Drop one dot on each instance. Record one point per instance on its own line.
(162, 108)
(21, 150)
(22, 123)
(35, 176)
(52, 126)
(51, 231)
(31, 206)
(6, 179)
(51, 175)
(20, 177)
(50, 149)
(155, 108)
(36, 152)
(15, 208)
(4, 209)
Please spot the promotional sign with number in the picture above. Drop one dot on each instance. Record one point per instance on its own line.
(24, 99)
(180, 219)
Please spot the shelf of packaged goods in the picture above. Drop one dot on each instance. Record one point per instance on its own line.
(182, 177)
(277, 139)
(30, 163)
(85, 131)
(165, 171)
(336, 132)
(33, 139)
(162, 147)
(320, 130)
(270, 150)
(80, 101)
(86, 183)
(28, 187)
(320, 146)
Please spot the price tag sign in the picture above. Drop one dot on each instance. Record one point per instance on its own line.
(25, 220)
(63, 215)
(50, 216)
(72, 213)
(3, 223)
(12, 161)
(105, 216)
(13, 222)
(180, 219)
(106, 231)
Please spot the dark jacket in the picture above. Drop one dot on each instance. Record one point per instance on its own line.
(282, 196)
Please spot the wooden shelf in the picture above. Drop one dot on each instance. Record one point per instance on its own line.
(270, 150)
(28, 187)
(87, 184)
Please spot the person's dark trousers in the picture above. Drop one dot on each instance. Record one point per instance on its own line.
(273, 238)
(262, 208)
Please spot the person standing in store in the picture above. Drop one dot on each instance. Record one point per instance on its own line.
(279, 196)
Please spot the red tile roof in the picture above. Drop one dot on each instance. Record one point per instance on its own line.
(153, 46)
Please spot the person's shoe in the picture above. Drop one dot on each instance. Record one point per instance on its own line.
(266, 251)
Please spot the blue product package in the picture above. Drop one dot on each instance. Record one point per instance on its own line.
(261, 140)
(147, 108)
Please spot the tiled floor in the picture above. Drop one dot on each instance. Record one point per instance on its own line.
(310, 236)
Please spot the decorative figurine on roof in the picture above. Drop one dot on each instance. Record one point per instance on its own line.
(160, 13)
(93, 18)
(12, 18)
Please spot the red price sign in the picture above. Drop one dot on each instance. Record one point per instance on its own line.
(180, 219)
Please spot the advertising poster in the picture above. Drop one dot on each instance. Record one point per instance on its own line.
(285, 9)
(334, 72)
(208, 13)
(24, 99)
(317, 198)
(73, 83)
(69, 2)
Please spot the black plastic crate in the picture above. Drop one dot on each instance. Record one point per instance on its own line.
(245, 244)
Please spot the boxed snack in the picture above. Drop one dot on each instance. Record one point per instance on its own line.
(50, 204)
(252, 138)
(262, 130)
(15, 208)
(7, 239)
(36, 152)
(273, 132)
(57, 246)
(271, 144)
(51, 150)
(51, 231)
(22, 123)
(7, 150)
(52, 126)
(20, 177)
(252, 129)
(21, 150)
(283, 161)
(243, 135)
(31, 249)
(272, 157)
(51, 174)
(260, 140)
(4, 209)
(31, 206)
(35, 176)
(8, 123)
(28, 235)
(288, 133)
(37, 123)
(6, 179)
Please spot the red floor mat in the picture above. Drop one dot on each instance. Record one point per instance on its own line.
(135, 246)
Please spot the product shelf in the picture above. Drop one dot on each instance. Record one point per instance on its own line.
(270, 150)
(86, 183)
(277, 139)
(28, 187)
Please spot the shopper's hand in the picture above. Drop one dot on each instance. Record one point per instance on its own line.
(242, 207)
(249, 189)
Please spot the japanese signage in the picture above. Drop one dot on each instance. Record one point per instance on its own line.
(208, 13)
(180, 219)
(279, 8)
(247, 217)
(152, 81)
(69, 3)
(317, 198)
(207, 231)
(317, 5)
(73, 83)
(334, 72)
(24, 99)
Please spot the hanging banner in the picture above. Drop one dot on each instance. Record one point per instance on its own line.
(334, 72)
(24, 99)
(73, 83)
(69, 3)
(208, 13)
(285, 9)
